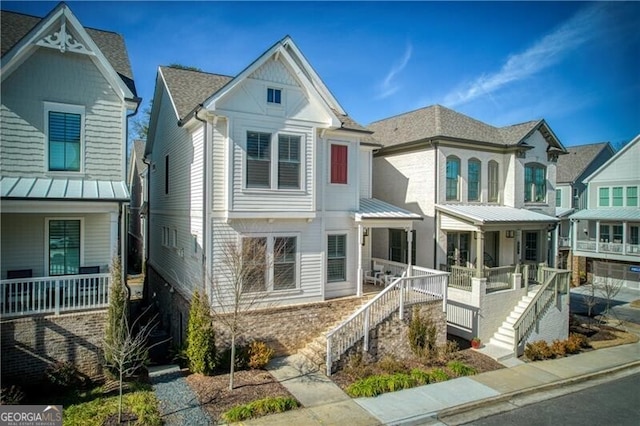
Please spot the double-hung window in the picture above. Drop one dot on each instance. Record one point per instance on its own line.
(453, 177)
(535, 188)
(64, 247)
(603, 196)
(269, 263)
(617, 199)
(632, 196)
(605, 235)
(339, 163)
(274, 96)
(258, 160)
(558, 197)
(336, 258)
(494, 186)
(288, 162)
(473, 180)
(64, 137)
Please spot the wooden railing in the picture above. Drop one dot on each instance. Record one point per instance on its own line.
(500, 278)
(29, 296)
(556, 282)
(429, 285)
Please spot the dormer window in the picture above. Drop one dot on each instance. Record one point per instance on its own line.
(274, 96)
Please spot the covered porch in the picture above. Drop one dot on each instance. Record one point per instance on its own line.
(608, 233)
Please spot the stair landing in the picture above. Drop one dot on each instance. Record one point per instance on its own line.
(503, 355)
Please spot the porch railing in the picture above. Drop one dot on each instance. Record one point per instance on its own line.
(29, 296)
(429, 285)
(613, 248)
(391, 268)
(461, 277)
(556, 282)
(499, 278)
(564, 241)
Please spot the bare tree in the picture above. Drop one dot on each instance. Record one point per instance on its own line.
(590, 298)
(244, 273)
(608, 287)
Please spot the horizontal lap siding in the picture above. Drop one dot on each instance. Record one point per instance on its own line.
(219, 164)
(64, 78)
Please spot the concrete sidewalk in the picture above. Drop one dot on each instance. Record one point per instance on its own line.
(326, 404)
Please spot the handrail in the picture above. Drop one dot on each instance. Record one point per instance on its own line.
(539, 304)
(421, 288)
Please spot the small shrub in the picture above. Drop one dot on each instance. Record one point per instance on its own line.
(391, 365)
(12, 395)
(259, 408)
(63, 375)
(423, 334)
(559, 348)
(367, 387)
(241, 362)
(438, 375)
(201, 348)
(421, 377)
(576, 342)
(356, 368)
(538, 350)
(259, 355)
(460, 369)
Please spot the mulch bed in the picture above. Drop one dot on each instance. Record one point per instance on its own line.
(249, 385)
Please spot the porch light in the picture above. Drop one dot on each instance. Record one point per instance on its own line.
(510, 234)
(365, 234)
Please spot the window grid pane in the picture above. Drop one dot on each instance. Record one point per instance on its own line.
(288, 162)
(617, 199)
(64, 141)
(258, 160)
(285, 263)
(603, 197)
(453, 173)
(632, 196)
(336, 258)
(254, 254)
(473, 193)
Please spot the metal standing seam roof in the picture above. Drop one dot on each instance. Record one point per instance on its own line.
(494, 214)
(632, 214)
(563, 211)
(372, 208)
(63, 189)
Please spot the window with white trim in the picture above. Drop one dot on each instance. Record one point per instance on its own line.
(336, 258)
(473, 179)
(64, 246)
(559, 197)
(632, 196)
(535, 183)
(283, 174)
(270, 263)
(274, 96)
(453, 178)
(64, 134)
(494, 185)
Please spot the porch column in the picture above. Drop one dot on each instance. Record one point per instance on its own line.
(360, 241)
(556, 235)
(597, 236)
(479, 253)
(624, 237)
(409, 246)
(574, 235)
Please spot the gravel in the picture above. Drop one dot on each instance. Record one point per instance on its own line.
(178, 403)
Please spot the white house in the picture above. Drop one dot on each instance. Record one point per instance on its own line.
(137, 224)
(487, 197)
(606, 234)
(67, 93)
(572, 169)
(267, 157)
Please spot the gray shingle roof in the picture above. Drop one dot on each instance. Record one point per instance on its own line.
(138, 147)
(189, 88)
(16, 26)
(578, 158)
(438, 121)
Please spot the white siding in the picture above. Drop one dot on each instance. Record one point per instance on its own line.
(365, 173)
(219, 164)
(341, 197)
(623, 171)
(63, 78)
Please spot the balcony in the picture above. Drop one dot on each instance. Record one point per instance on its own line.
(53, 295)
(617, 248)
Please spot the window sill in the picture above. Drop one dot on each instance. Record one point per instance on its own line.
(63, 173)
(262, 191)
(536, 204)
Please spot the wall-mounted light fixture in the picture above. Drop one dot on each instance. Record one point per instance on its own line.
(365, 234)
(510, 234)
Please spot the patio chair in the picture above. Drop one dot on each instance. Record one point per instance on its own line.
(375, 276)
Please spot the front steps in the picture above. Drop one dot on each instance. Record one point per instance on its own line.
(500, 346)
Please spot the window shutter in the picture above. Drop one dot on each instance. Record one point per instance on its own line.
(339, 163)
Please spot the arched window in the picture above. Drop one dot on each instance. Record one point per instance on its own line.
(535, 186)
(473, 180)
(453, 177)
(494, 186)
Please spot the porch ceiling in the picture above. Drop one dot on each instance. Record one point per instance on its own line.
(495, 215)
(28, 188)
(624, 214)
(374, 209)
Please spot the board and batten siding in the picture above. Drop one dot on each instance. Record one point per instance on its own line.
(24, 244)
(48, 76)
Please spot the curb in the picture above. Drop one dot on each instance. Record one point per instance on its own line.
(471, 406)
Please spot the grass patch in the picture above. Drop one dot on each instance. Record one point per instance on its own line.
(382, 383)
(93, 407)
(259, 408)
(460, 369)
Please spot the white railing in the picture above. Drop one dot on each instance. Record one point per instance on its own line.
(602, 247)
(461, 277)
(390, 268)
(500, 278)
(428, 285)
(564, 241)
(29, 296)
(556, 282)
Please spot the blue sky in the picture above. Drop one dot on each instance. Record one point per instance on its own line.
(575, 64)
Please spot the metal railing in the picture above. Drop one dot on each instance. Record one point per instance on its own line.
(42, 295)
(556, 282)
(429, 285)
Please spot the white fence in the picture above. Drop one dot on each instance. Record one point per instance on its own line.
(29, 296)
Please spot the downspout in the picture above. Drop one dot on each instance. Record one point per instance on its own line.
(205, 197)
(147, 222)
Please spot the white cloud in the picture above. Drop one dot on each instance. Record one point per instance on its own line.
(547, 51)
(389, 86)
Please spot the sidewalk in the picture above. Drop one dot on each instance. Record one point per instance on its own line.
(326, 404)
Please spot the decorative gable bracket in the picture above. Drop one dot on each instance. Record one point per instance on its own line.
(63, 40)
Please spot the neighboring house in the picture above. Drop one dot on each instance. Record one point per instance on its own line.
(572, 169)
(606, 234)
(487, 196)
(266, 158)
(137, 182)
(67, 93)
